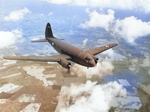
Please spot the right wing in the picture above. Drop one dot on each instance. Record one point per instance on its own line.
(55, 58)
(98, 50)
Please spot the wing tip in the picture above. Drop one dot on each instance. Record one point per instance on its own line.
(111, 45)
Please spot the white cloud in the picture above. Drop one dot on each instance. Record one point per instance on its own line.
(87, 10)
(111, 55)
(9, 38)
(145, 5)
(90, 97)
(129, 28)
(99, 20)
(58, 1)
(102, 68)
(117, 4)
(16, 15)
(41, 14)
(85, 41)
(50, 13)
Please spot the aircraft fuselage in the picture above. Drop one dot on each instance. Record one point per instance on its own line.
(78, 56)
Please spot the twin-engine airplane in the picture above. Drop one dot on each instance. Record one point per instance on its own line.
(67, 52)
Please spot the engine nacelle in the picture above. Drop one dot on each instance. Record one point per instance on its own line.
(64, 63)
(96, 60)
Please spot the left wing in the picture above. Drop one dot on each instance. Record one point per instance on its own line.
(55, 58)
(98, 50)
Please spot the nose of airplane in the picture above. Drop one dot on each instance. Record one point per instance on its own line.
(92, 62)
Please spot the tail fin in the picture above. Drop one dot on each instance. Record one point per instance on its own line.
(48, 31)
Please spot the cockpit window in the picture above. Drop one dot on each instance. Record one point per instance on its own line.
(87, 59)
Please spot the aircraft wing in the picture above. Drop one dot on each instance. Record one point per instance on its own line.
(98, 50)
(55, 58)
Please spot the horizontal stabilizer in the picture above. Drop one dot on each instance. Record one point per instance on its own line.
(41, 40)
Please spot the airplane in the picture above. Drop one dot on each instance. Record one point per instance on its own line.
(67, 52)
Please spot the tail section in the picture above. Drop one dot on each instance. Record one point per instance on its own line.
(48, 31)
(48, 34)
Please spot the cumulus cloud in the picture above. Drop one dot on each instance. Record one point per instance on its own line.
(9, 38)
(16, 15)
(99, 20)
(117, 4)
(102, 68)
(129, 28)
(90, 97)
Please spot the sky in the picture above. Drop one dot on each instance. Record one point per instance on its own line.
(127, 19)
(74, 21)
(83, 23)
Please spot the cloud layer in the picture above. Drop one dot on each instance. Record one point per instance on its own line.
(9, 38)
(90, 97)
(129, 28)
(16, 15)
(143, 5)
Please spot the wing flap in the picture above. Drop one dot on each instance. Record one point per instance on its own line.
(98, 50)
(55, 58)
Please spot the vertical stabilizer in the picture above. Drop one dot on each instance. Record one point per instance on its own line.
(48, 31)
